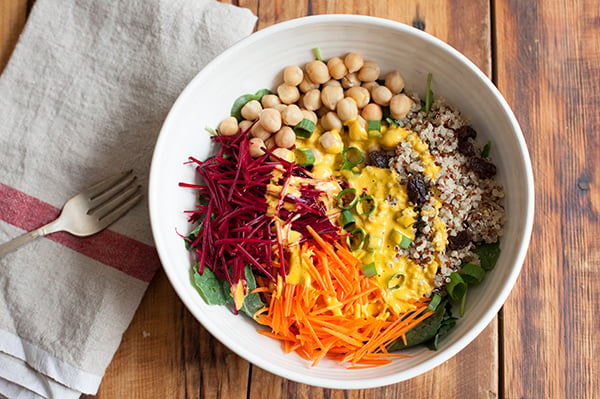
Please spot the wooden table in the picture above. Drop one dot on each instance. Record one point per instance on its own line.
(544, 56)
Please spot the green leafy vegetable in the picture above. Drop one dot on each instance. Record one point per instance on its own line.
(488, 255)
(486, 149)
(238, 104)
(472, 274)
(252, 302)
(422, 332)
(209, 286)
(456, 288)
(435, 301)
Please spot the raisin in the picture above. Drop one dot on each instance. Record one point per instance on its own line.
(460, 240)
(482, 168)
(466, 148)
(465, 132)
(417, 190)
(380, 159)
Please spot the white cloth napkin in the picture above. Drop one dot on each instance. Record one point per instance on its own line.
(83, 97)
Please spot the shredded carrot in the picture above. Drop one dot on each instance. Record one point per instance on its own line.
(333, 316)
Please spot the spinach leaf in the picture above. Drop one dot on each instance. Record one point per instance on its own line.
(208, 285)
(238, 104)
(488, 254)
(422, 332)
(252, 302)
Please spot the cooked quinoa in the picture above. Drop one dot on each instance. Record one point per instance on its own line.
(471, 205)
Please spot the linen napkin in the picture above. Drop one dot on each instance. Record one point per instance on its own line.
(82, 98)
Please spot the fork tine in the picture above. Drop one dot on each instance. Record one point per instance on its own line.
(105, 184)
(120, 210)
(109, 192)
(113, 202)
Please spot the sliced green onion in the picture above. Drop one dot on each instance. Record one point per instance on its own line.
(348, 219)
(369, 270)
(456, 288)
(428, 95)
(366, 205)
(472, 274)
(405, 241)
(373, 242)
(391, 122)
(436, 299)
(318, 55)
(351, 157)
(374, 128)
(355, 239)
(486, 149)
(347, 198)
(396, 281)
(304, 128)
(212, 131)
(304, 157)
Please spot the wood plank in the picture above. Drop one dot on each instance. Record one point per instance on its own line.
(548, 56)
(13, 14)
(474, 371)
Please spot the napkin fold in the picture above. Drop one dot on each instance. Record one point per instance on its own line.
(83, 97)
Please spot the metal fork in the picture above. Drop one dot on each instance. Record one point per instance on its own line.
(89, 212)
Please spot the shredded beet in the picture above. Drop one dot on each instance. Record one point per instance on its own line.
(235, 229)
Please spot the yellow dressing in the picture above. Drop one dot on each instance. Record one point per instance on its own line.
(392, 218)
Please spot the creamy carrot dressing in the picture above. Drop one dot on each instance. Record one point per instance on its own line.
(391, 219)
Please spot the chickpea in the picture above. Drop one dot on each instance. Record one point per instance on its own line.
(270, 143)
(331, 143)
(280, 107)
(353, 62)
(269, 101)
(229, 126)
(255, 147)
(291, 115)
(337, 68)
(370, 86)
(292, 75)
(259, 132)
(245, 125)
(369, 72)
(331, 121)
(288, 94)
(382, 95)
(317, 72)
(330, 95)
(395, 82)
(346, 109)
(372, 112)
(284, 154)
(360, 95)
(307, 84)
(312, 100)
(400, 106)
(285, 137)
(251, 110)
(332, 82)
(350, 80)
(310, 115)
(270, 120)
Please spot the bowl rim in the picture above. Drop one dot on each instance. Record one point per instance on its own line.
(448, 351)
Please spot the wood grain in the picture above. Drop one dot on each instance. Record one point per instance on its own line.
(545, 59)
(13, 14)
(547, 63)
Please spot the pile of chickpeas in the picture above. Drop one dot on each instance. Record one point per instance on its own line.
(328, 94)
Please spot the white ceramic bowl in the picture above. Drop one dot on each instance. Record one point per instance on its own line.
(256, 62)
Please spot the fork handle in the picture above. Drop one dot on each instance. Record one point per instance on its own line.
(27, 237)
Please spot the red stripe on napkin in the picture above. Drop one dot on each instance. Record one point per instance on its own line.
(130, 256)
